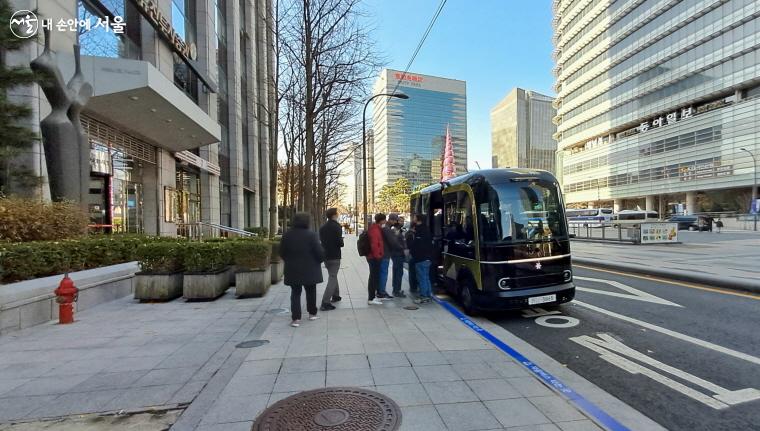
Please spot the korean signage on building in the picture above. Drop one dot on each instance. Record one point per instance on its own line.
(150, 10)
(668, 119)
(659, 233)
(703, 170)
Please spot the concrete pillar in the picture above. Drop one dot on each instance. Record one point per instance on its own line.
(617, 205)
(649, 204)
(691, 202)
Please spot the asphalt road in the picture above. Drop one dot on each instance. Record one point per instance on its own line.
(686, 357)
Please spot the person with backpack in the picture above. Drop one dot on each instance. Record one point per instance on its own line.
(391, 247)
(373, 247)
(421, 249)
(331, 235)
(302, 253)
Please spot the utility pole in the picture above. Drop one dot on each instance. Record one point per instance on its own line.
(754, 187)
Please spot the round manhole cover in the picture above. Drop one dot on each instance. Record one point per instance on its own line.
(411, 307)
(333, 409)
(251, 343)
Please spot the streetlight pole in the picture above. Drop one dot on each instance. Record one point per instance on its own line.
(364, 146)
(754, 185)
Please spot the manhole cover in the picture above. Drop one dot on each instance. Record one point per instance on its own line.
(338, 409)
(251, 343)
(411, 307)
(278, 311)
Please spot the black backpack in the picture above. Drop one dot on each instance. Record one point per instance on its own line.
(363, 245)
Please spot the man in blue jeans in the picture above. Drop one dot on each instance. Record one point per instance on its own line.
(398, 258)
(391, 247)
(421, 250)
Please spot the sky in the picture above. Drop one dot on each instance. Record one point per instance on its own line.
(493, 45)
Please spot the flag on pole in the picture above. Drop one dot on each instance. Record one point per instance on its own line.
(448, 168)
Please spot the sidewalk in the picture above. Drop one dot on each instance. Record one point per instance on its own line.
(728, 259)
(441, 374)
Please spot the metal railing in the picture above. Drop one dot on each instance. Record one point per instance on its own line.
(204, 230)
(606, 232)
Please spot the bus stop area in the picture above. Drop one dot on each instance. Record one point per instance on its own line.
(728, 259)
(183, 360)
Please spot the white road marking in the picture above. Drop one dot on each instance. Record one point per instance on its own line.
(569, 322)
(674, 334)
(633, 293)
(605, 345)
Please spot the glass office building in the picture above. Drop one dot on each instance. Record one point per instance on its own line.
(409, 135)
(657, 102)
(521, 131)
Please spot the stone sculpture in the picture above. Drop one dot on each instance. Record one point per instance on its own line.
(67, 149)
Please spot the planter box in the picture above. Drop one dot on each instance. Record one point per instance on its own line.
(158, 287)
(205, 285)
(277, 269)
(252, 283)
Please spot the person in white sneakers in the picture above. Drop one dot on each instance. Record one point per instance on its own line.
(302, 253)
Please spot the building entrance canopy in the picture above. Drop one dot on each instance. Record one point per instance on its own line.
(137, 97)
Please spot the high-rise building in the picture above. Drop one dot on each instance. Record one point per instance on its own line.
(177, 121)
(521, 131)
(409, 134)
(657, 101)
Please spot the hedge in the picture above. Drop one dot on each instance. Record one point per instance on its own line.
(24, 219)
(208, 256)
(259, 231)
(34, 259)
(252, 254)
(161, 256)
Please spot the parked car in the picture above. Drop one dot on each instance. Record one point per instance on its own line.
(684, 222)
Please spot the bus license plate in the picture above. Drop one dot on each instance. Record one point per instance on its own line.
(541, 299)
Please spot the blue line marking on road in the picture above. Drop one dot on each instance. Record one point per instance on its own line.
(574, 397)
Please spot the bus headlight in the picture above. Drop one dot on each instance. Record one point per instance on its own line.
(504, 283)
(567, 275)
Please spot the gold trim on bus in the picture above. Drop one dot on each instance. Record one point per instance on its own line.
(534, 259)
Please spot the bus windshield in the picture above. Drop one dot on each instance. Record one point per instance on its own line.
(520, 211)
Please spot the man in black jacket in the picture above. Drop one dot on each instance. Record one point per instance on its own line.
(421, 249)
(331, 236)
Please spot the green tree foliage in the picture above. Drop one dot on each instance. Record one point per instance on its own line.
(394, 197)
(14, 137)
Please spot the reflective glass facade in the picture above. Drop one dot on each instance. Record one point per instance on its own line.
(409, 134)
(656, 97)
(521, 131)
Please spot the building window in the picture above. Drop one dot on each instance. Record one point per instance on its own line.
(97, 41)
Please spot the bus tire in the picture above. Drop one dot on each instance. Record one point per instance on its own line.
(466, 297)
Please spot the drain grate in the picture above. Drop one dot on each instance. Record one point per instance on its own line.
(334, 409)
(411, 307)
(251, 343)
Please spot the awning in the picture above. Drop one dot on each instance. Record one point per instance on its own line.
(134, 96)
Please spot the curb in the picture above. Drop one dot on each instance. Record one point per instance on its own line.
(712, 280)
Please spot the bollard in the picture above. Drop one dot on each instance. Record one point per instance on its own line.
(66, 294)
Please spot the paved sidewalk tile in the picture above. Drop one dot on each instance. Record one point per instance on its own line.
(467, 417)
(421, 418)
(516, 412)
(394, 375)
(408, 394)
(347, 362)
(436, 373)
(449, 392)
(556, 409)
(493, 389)
(299, 381)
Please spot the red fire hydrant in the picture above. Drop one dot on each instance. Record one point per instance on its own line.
(66, 294)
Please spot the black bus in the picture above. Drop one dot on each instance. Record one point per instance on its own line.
(501, 238)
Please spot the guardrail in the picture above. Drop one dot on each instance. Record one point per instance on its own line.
(606, 232)
(201, 230)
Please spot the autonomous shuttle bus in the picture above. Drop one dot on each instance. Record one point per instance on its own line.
(501, 238)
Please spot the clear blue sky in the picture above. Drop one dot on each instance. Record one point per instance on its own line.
(494, 45)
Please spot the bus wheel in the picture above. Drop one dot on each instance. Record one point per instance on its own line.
(465, 297)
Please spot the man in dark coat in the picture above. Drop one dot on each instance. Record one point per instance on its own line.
(303, 255)
(421, 249)
(331, 236)
(397, 231)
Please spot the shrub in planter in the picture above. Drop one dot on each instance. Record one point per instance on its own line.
(161, 266)
(260, 231)
(24, 219)
(253, 268)
(206, 269)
